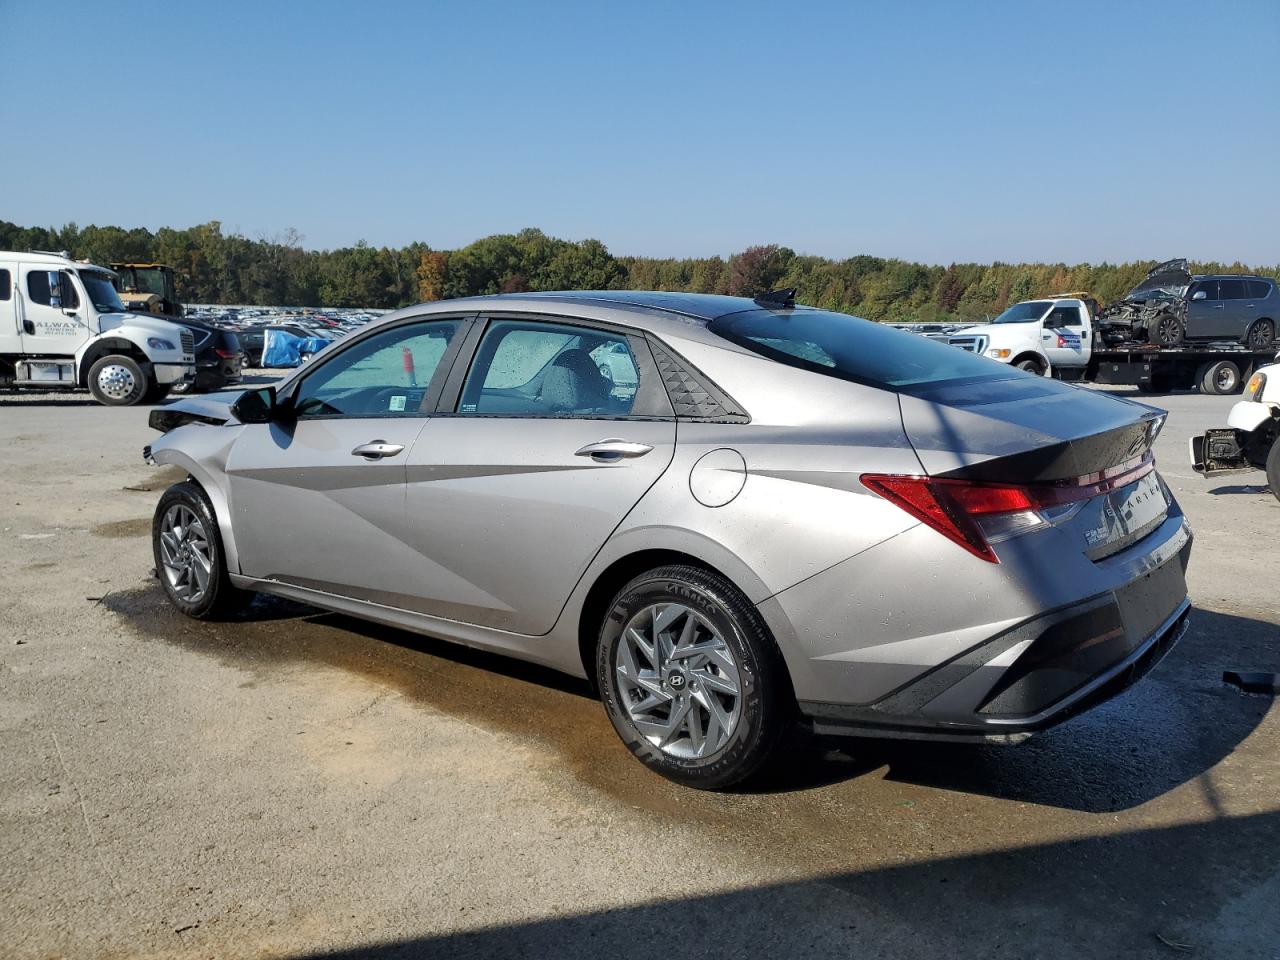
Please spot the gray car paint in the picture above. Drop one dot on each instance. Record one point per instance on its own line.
(488, 532)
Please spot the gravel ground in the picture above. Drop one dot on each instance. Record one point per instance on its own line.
(302, 784)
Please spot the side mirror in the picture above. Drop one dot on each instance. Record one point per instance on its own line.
(1200, 295)
(53, 278)
(258, 406)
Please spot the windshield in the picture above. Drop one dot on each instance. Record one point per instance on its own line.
(1023, 312)
(850, 348)
(1143, 292)
(102, 294)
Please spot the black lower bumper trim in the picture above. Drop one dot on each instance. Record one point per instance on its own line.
(866, 721)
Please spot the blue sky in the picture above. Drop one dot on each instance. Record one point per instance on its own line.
(931, 131)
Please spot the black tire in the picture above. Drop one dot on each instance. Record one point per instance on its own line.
(1220, 378)
(1166, 330)
(1031, 365)
(117, 381)
(1261, 335)
(1273, 469)
(219, 599)
(765, 704)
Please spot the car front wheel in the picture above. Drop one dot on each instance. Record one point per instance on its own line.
(190, 561)
(691, 678)
(1166, 330)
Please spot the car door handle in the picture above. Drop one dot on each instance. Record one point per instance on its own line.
(607, 451)
(377, 449)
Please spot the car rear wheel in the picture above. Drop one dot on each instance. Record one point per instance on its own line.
(1220, 378)
(1166, 330)
(190, 561)
(117, 381)
(1261, 335)
(691, 678)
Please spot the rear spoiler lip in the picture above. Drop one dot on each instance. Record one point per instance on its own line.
(1067, 459)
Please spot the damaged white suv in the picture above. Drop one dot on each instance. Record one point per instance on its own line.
(1251, 439)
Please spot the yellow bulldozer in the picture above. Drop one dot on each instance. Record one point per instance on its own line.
(148, 288)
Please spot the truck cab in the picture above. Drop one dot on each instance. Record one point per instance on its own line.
(62, 325)
(1051, 335)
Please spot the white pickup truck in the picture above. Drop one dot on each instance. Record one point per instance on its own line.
(62, 326)
(1251, 439)
(1061, 337)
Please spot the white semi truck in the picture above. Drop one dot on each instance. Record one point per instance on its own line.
(62, 326)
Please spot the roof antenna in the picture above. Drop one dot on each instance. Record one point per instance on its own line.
(777, 299)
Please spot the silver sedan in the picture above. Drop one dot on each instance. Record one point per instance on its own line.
(777, 515)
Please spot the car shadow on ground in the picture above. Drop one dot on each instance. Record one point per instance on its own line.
(1169, 729)
(1241, 488)
(1207, 889)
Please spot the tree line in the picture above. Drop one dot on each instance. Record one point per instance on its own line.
(214, 266)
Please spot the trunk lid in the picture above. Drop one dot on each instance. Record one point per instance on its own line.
(1033, 431)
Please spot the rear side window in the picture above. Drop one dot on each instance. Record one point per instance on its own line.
(1259, 289)
(1232, 288)
(850, 348)
(543, 369)
(4, 285)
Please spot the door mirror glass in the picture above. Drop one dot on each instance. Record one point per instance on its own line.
(53, 282)
(257, 406)
(1200, 295)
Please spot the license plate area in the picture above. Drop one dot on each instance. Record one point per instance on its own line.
(1123, 517)
(1149, 601)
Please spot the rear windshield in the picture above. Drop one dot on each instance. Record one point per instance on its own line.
(850, 348)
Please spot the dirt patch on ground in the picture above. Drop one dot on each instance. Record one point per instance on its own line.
(119, 529)
(157, 480)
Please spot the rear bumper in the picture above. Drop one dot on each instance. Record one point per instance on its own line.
(1047, 685)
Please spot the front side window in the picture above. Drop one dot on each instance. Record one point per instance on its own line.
(1063, 317)
(386, 375)
(1208, 287)
(52, 288)
(525, 368)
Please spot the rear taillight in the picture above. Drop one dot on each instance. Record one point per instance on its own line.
(226, 354)
(975, 514)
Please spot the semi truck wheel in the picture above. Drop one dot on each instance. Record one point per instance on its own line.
(1220, 378)
(117, 381)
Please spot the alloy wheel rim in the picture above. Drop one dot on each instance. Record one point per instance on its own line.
(185, 553)
(1262, 335)
(116, 381)
(1169, 329)
(678, 681)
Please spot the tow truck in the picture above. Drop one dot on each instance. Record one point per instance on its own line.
(1251, 438)
(1062, 336)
